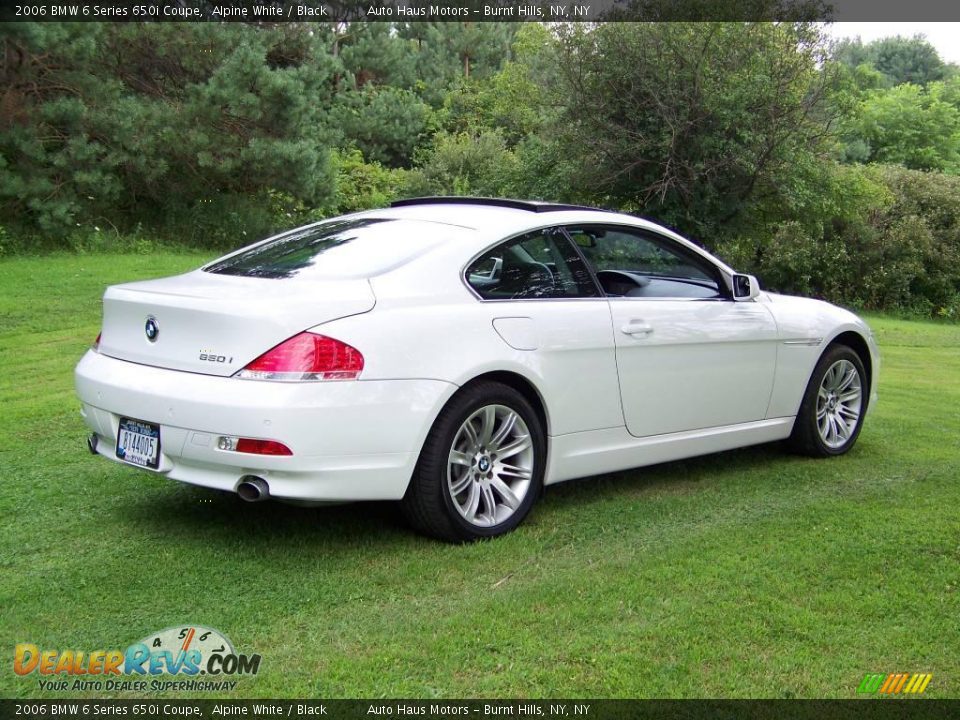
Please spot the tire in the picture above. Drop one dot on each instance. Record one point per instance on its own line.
(461, 489)
(834, 404)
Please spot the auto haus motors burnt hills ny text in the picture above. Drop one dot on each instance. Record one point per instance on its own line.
(520, 709)
(517, 12)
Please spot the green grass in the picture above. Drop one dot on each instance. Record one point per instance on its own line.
(752, 573)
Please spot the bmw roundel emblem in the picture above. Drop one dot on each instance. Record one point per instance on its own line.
(151, 329)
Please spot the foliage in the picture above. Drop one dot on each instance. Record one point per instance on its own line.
(386, 123)
(702, 121)
(898, 59)
(892, 242)
(465, 164)
(515, 99)
(917, 127)
(106, 119)
(363, 185)
(447, 52)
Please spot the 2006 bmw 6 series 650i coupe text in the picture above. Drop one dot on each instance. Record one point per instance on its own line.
(457, 354)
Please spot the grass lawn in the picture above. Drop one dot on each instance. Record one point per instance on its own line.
(748, 574)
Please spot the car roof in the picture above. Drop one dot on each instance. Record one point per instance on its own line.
(501, 220)
(490, 220)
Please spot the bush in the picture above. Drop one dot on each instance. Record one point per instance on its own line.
(361, 185)
(465, 164)
(893, 243)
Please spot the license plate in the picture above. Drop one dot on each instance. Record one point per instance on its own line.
(138, 443)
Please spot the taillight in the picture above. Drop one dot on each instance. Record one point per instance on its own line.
(96, 343)
(306, 356)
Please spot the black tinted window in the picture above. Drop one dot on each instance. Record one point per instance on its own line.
(541, 264)
(337, 249)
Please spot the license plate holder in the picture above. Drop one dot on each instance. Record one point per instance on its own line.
(138, 443)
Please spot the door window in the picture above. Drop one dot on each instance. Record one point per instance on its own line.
(631, 262)
(541, 264)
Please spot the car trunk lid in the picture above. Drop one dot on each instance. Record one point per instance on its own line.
(216, 324)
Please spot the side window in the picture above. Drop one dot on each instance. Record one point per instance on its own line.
(631, 262)
(541, 264)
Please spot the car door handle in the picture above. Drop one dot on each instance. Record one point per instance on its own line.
(637, 327)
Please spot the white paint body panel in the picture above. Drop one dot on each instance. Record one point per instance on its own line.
(696, 365)
(711, 376)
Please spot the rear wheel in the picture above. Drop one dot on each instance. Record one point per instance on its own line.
(481, 468)
(833, 406)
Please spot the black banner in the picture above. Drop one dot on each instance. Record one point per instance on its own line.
(867, 709)
(256, 11)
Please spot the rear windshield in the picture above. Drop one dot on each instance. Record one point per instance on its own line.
(337, 249)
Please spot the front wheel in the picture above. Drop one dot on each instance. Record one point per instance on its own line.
(481, 468)
(833, 406)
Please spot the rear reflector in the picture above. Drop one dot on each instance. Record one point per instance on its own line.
(96, 343)
(306, 357)
(252, 446)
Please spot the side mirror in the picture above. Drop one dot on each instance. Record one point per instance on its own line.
(745, 287)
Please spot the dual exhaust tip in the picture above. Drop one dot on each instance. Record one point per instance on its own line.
(250, 488)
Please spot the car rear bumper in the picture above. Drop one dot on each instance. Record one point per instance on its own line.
(351, 440)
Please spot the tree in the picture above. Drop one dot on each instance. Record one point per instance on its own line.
(706, 125)
(450, 51)
(513, 100)
(130, 122)
(899, 59)
(916, 127)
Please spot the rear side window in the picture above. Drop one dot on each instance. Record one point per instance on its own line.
(542, 264)
(339, 249)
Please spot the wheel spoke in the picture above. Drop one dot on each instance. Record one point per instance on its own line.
(517, 446)
(473, 502)
(487, 422)
(460, 485)
(830, 379)
(471, 433)
(459, 458)
(489, 504)
(843, 431)
(504, 491)
(503, 432)
(849, 377)
(514, 471)
(847, 413)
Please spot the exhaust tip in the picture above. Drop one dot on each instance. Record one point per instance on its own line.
(253, 489)
(92, 442)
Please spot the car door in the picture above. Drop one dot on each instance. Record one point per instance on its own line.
(688, 356)
(544, 304)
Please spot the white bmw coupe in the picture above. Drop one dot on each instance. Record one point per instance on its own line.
(458, 354)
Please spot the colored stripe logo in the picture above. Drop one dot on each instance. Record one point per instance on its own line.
(895, 683)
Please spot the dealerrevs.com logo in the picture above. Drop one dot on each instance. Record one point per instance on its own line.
(186, 651)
